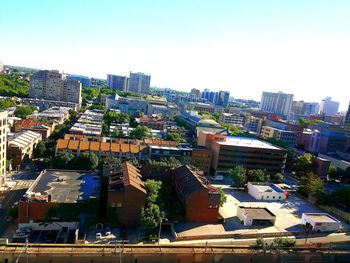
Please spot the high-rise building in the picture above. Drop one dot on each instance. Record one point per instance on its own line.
(305, 108)
(3, 146)
(347, 128)
(139, 83)
(278, 103)
(222, 98)
(329, 107)
(52, 85)
(209, 95)
(116, 82)
(196, 92)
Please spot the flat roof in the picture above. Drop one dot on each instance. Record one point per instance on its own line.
(321, 218)
(258, 212)
(66, 186)
(267, 187)
(248, 142)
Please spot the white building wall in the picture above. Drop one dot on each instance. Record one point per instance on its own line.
(256, 192)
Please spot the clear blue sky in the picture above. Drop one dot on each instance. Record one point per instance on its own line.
(296, 46)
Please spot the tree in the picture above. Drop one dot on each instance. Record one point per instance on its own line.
(73, 115)
(7, 103)
(152, 188)
(105, 129)
(223, 197)
(150, 217)
(111, 117)
(140, 132)
(257, 176)
(62, 161)
(277, 177)
(332, 171)
(23, 111)
(215, 116)
(238, 175)
(86, 161)
(310, 184)
(174, 136)
(303, 164)
(303, 122)
(116, 134)
(277, 142)
(40, 150)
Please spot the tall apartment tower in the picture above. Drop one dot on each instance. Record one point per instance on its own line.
(3, 146)
(347, 128)
(116, 82)
(52, 85)
(139, 83)
(278, 103)
(329, 107)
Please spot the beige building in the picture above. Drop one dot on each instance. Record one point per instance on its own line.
(3, 139)
(52, 85)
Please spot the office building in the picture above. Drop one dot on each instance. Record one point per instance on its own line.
(305, 108)
(289, 137)
(230, 151)
(115, 82)
(232, 118)
(52, 85)
(139, 83)
(222, 98)
(85, 81)
(3, 145)
(329, 107)
(279, 103)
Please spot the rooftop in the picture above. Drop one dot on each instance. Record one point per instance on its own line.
(24, 139)
(266, 187)
(321, 217)
(258, 212)
(66, 186)
(248, 142)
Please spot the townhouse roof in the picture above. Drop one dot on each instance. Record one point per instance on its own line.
(127, 175)
(24, 139)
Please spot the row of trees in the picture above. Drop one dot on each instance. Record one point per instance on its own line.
(13, 85)
(242, 176)
(85, 161)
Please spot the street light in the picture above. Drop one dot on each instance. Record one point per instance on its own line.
(161, 218)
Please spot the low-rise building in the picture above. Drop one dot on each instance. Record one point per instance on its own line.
(320, 166)
(209, 125)
(86, 129)
(266, 191)
(200, 198)
(155, 123)
(252, 216)
(320, 222)
(288, 137)
(51, 115)
(233, 118)
(92, 117)
(29, 125)
(20, 148)
(46, 104)
(126, 193)
(63, 193)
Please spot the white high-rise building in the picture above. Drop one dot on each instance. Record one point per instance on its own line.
(278, 103)
(329, 107)
(3, 145)
(139, 83)
(52, 85)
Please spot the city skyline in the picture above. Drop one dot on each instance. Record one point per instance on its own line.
(298, 47)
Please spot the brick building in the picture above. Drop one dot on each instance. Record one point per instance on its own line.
(126, 193)
(29, 125)
(201, 158)
(200, 198)
(153, 122)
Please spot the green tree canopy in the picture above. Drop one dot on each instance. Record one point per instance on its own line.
(223, 197)
(23, 111)
(7, 103)
(257, 176)
(140, 132)
(13, 85)
(305, 123)
(310, 184)
(40, 150)
(238, 175)
(114, 117)
(174, 136)
(153, 188)
(303, 164)
(86, 161)
(62, 161)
